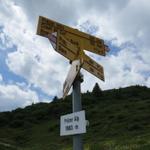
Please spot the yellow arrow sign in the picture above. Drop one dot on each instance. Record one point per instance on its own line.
(82, 40)
(90, 43)
(62, 46)
(70, 51)
(93, 67)
(71, 42)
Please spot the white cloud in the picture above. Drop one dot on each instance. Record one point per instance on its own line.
(34, 59)
(123, 25)
(125, 69)
(62, 11)
(5, 41)
(11, 97)
(118, 21)
(46, 75)
(148, 82)
(1, 78)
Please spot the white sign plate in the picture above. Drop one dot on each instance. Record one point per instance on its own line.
(75, 68)
(73, 123)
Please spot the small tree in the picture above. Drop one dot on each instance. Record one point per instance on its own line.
(55, 98)
(97, 90)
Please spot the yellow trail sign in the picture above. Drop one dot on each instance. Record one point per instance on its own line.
(93, 67)
(71, 42)
(82, 40)
(90, 43)
(62, 46)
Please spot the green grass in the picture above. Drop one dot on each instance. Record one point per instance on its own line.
(119, 120)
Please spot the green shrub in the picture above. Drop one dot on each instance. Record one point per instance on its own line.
(134, 127)
(96, 146)
(16, 123)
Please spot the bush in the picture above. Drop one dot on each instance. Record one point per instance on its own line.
(97, 91)
(3, 121)
(96, 146)
(5, 118)
(3, 147)
(120, 117)
(17, 123)
(134, 127)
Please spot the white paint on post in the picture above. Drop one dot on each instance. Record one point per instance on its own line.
(73, 123)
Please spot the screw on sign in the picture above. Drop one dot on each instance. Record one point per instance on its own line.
(71, 43)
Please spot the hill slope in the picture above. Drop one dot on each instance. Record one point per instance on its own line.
(119, 120)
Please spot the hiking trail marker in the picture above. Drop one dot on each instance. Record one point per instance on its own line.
(71, 43)
(73, 123)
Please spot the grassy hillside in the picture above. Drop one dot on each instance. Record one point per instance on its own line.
(119, 120)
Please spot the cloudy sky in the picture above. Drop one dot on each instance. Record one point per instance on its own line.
(31, 71)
